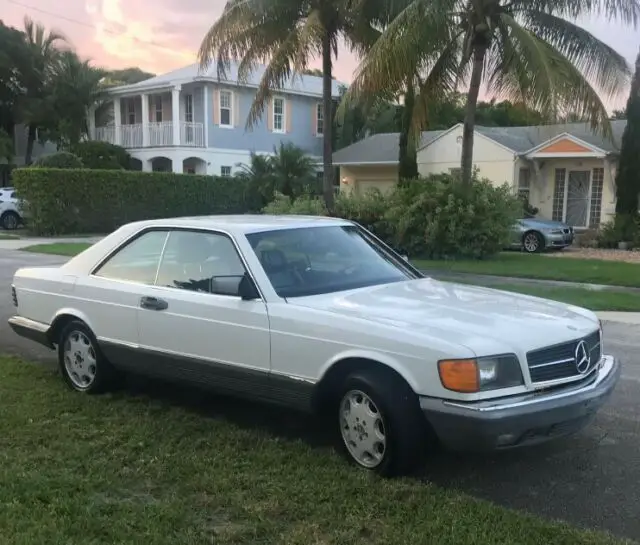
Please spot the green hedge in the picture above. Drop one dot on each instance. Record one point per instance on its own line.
(64, 201)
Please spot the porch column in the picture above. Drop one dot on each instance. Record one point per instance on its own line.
(175, 116)
(145, 120)
(117, 119)
(91, 114)
(205, 121)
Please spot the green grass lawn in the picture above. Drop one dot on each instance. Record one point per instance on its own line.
(58, 248)
(152, 467)
(591, 299)
(593, 271)
(4, 236)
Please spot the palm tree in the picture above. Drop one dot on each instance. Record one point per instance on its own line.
(75, 87)
(288, 34)
(529, 51)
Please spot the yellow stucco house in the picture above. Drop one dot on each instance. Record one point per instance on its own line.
(566, 171)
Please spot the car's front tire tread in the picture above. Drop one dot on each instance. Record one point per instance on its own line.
(404, 423)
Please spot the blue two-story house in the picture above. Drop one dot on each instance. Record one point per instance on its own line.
(190, 121)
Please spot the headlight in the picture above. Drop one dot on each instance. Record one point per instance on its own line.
(555, 231)
(481, 374)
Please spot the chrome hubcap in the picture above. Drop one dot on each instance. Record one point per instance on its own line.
(531, 243)
(362, 429)
(80, 359)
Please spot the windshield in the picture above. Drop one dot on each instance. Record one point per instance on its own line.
(314, 260)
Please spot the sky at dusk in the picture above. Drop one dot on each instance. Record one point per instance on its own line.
(161, 35)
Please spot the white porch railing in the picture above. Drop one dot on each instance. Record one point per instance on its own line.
(159, 134)
(192, 134)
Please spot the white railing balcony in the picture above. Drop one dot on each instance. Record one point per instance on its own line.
(158, 134)
(191, 134)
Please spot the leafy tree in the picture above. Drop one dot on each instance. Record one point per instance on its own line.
(126, 76)
(6, 145)
(13, 53)
(628, 178)
(526, 50)
(42, 54)
(102, 155)
(288, 34)
(61, 159)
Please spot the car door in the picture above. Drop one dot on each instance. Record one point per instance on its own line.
(193, 324)
(109, 297)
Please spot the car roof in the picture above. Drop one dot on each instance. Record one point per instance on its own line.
(245, 223)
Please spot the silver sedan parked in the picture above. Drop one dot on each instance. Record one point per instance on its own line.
(535, 235)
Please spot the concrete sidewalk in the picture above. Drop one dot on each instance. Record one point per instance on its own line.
(24, 242)
(630, 318)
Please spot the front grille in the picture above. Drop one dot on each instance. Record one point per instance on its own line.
(559, 361)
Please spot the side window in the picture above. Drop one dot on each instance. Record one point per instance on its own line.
(204, 262)
(137, 261)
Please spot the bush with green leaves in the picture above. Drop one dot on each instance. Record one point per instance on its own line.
(438, 218)
(102, 155)
(61, 159)
(63, 201)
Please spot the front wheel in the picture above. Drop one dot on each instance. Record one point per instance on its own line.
(532, 242)
(381, 426)
(82, 364)
(10, 221)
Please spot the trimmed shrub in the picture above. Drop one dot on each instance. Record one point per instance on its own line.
(102, 155)
(62, 201)
(306, 205)
(61, 159)
(440, 219)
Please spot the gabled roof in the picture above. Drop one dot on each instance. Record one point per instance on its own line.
(565, 144)
(302, 85)
(377, 149)
(383, 148)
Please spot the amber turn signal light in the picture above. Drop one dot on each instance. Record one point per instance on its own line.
(459, 375)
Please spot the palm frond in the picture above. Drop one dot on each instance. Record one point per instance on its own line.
(598, 62)
(626, 11)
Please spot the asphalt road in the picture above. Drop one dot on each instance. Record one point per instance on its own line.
(591, 480)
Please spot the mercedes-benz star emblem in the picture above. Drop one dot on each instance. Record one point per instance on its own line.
(583, 357)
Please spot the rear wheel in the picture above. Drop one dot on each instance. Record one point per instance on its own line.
(82, 364)
(532, 242)
(10, 220)
(381, 426)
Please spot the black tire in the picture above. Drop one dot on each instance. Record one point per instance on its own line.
(104, 375)
(532, 242)
(10, 220)
(403, 423)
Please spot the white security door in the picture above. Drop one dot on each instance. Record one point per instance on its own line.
(577, 208)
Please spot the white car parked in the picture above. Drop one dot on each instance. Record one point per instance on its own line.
(318, 314)
(10, 216)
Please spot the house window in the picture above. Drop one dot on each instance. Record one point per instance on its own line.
(225, 171)
(558, 194)
(225, 108)
(158, 108)
(278, 115)
(188, 108)
(524, 184)
(319, 119)
(131, 111)
(597, 183)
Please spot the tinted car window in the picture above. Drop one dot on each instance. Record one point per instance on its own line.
(315, 260)
(204, 262)
(137, 261)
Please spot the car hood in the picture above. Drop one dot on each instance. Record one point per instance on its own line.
(482, 319)
(543, 224)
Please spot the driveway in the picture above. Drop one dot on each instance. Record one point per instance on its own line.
(591, 479)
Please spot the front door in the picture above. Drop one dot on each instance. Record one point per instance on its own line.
(577, 211)
(193, 325)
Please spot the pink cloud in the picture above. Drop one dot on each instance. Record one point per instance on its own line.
(161, 35)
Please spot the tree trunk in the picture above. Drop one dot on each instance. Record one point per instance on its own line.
(327, 137)
(407, 159)
(31, 138)
(479, 54)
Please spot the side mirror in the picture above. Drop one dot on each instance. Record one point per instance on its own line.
(247, 290)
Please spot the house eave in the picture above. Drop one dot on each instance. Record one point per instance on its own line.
(364, 163)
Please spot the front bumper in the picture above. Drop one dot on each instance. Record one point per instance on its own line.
(558, 240)
(521, 420)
